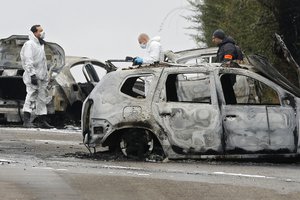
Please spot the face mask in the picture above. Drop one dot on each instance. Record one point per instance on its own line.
(143, 46)
(42, 35)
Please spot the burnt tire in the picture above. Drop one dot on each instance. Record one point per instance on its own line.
(136, 144)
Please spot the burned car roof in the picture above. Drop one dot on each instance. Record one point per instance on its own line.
(256, 63)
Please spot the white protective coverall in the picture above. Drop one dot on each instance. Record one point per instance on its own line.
(154, 54)
(34, 62)
(154, 51)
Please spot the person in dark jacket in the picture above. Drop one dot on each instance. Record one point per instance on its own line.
(227, 52)
(227, 48)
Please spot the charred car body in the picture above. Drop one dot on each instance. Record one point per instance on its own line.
(68, 94)
(190, 111)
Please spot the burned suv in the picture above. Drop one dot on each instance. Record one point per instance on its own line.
(67, 88)
(192, 111)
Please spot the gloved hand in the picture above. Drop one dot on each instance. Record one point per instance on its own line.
(137, 61)
(34, 80)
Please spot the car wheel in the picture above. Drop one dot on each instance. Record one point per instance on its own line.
(137, 144)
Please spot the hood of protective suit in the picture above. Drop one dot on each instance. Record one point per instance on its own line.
(10, 53)
(156, 38)
(31, 36)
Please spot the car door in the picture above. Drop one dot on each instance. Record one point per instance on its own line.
(257, 121)
(189, 113)
(90, 73)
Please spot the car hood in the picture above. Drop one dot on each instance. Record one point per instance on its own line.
(262, 66)
(10, 53)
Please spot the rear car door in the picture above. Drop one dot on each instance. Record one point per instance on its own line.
(189, 113)
(257, 115)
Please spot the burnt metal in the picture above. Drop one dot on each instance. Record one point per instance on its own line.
(185, 110)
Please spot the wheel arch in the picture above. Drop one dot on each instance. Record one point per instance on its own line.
(114, 138)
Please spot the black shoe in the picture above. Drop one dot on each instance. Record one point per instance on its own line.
(45, 124)
(27, 121)
(29, 125)
(42, 122)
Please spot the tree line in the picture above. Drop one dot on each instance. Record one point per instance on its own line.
(252, 23)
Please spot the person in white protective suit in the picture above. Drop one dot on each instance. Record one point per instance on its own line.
(153, 48)
(35, 78)
(154, 54)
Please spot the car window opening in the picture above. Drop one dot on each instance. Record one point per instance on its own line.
(243, 90)
(193, 88)
(137, 87)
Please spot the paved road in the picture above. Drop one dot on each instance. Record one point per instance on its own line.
(53, 164)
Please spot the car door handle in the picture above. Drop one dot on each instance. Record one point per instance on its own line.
(165, 113)
(229, 117)
(164, 110)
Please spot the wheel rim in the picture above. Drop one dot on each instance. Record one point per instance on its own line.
(141, 147)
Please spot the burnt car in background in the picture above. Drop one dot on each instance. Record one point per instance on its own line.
(193, 56)
(184, 111)
(67, 90)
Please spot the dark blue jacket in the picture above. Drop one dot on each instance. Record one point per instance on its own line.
(227, 50)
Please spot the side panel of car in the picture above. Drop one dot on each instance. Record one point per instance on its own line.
(258, 128)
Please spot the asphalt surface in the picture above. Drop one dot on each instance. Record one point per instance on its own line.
(54, 164)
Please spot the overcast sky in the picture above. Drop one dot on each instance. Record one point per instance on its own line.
(100, 29)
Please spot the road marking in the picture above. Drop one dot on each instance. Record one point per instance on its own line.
(40, 130)
(143, 172)
(7, 161)
(243, 175)
(46, 168)
(138, 174)
(50, 168)
(61, 169)
(55, 142)
(121, 167)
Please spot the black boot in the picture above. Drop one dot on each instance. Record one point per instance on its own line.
(42, 122)
(27, 122)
